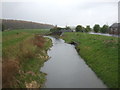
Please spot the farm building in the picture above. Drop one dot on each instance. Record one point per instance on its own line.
(114, 28)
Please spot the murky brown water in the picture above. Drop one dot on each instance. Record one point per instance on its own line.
(66, 69)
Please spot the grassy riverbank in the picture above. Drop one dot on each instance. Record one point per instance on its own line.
(24, 53)
(100, 53)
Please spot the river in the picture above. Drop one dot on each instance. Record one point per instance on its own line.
(104, 34)
(66, 69)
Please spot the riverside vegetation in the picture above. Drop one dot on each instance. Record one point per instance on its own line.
(99, 52)
(24, 53)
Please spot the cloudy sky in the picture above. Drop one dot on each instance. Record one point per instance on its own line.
(62, 12)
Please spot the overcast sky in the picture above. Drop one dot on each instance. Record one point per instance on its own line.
(63, 12)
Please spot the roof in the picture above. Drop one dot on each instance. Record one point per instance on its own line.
(115, 25)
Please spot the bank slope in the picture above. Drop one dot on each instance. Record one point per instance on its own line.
(100, 53)
(24, 53)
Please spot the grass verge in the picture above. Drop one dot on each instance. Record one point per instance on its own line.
(100, 53)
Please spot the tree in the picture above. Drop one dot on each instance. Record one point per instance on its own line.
(104, 29)
(67, 28)
(88, 29)
(55, 29)
(3, 28)
(79, 28)
(52, 30)
(96, 28)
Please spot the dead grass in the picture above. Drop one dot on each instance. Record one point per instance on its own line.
(15, 56)
(39, 41)
(33, 84)
(110, 41)
(9, 68)
(12, 58)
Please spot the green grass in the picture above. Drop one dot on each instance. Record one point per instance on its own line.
(100, 53)
(14, 36)
(18, 46)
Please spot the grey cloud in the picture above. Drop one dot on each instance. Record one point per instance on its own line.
(71, 13)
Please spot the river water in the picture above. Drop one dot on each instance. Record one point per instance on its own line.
(104, 34)
(66, 69)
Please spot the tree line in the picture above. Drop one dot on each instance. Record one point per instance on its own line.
(96, 28)
(19, 24)
(80, 28)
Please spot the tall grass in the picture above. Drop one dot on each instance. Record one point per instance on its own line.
(24, 53)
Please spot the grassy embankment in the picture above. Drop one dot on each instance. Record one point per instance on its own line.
(23, 55)
(100, 53)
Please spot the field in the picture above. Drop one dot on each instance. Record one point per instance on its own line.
(100, 53)
(23, 54)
